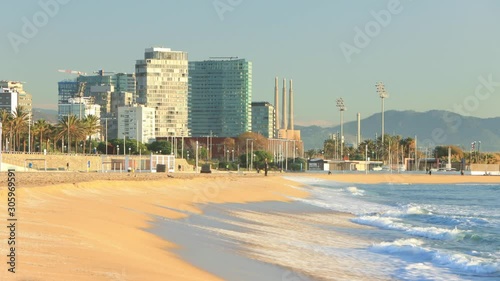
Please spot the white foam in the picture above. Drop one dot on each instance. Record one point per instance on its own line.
(355, 191)
(409, 209)
(395, 224)
(414, 249)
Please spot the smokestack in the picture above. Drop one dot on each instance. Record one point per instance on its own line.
(291, 106)
(285, 116)
(359, 128)
(276, 107)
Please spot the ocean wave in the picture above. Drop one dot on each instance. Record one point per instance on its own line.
(414, 249)
(355, 191)
(396, 224)
(409, 209)
(341, 200)
(429, 215)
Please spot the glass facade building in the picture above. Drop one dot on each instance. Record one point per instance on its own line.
(263, 119)
(121, 82)
(220, 95)
(68, 90)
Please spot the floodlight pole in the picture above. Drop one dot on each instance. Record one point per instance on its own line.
(342, 108)
(382, 94)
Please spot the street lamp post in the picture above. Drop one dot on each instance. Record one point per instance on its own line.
(382, 94)
(479, 152)
(246, 151)
(227, 154)
(251, 159)
(124, 136)
(69, 145)
(232, 151)
(29, 132)
(129, 150)
(196, 163)
(366, 158)
(117, 149)
(342, 108)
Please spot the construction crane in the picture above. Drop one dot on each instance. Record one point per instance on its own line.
(72, 72)
(101, 72)
(81, 89)
(223, 58)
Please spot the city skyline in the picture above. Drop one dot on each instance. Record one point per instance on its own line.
(429, 55)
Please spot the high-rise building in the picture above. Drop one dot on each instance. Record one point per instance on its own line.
(220, 96)
(80, 107)
(263, 119)
(121, 82)
(69, 89)
(102, 96)
(24, 99)
(162, 84)
(136, 122)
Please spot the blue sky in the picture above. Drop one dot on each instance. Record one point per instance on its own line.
(429, 54)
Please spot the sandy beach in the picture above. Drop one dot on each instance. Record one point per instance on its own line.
(96, 230)
(92, 226)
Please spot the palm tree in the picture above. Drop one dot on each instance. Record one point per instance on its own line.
(51, 132)
(311, 153)
(41, 128)
(19, 120)
(91, 125)
(329, 148)
(70, 126)
(6, 119)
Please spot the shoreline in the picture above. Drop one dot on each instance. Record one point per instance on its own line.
(38, 179)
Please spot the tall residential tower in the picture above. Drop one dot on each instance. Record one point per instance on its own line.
(220, 97)
(162, 84)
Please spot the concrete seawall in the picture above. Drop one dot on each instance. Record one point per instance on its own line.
(76, 162)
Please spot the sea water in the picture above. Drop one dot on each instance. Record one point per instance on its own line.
(422, 231)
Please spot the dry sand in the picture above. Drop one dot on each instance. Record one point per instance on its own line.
(91, 226)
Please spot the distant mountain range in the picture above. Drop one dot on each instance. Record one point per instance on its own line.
(435, 127)
(49, 115)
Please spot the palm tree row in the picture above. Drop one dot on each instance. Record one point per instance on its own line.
(69, 130)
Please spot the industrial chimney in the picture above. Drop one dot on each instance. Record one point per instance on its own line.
(359, 129)
(291, 106)
(276, 107)
(285, 116)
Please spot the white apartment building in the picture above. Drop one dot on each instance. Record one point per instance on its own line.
(23, 98)
(136, 122)
(162, 84)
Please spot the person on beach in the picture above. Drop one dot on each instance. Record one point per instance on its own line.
(266, 167)
(67, 166)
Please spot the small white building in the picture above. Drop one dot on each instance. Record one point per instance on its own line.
(136, 122)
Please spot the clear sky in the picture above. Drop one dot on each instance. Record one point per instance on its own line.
(430, 54)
